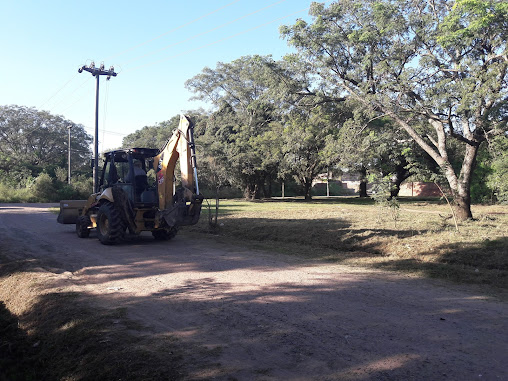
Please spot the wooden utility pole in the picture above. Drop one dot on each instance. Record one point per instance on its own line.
(69, 155)
(97, 72)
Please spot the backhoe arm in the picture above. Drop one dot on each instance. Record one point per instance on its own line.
(179, 146)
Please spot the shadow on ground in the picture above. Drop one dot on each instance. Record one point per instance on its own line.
(65, 336)
(273, 332)
(469, 263)
(483, 262)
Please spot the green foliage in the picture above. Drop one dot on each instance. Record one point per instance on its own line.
(82, 186)
(9, 193)
(152, 136)
(43, 188)
(411, 62)
(37, 139)
(239, 137)
(498, 178)
(382, 193)
(471, 19)
(481, 192)
(34, 151)
(304, 140)
(61, 174)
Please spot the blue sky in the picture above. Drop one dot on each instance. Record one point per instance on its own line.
(154, 46)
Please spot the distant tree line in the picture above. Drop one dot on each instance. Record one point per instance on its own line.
(34, 156)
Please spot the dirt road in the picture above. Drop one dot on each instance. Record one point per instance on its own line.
(263, 316)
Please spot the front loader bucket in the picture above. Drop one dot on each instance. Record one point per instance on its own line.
(70, 211)
(182, 214)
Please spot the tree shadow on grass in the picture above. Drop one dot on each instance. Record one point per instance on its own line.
(471, 263)
(325, 234)
(16, 350)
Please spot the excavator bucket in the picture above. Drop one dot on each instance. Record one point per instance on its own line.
(183, 213)
(70, 211)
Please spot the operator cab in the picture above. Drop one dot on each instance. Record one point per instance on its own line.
(132, 170)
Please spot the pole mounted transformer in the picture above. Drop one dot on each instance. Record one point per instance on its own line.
(97, 72)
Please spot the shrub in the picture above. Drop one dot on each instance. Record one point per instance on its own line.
(12, 194)
(43, 189)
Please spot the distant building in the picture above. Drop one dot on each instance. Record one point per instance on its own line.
(349, 184)
(419, 189)
(342, 185)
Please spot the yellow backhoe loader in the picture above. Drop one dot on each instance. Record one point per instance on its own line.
(126, 201)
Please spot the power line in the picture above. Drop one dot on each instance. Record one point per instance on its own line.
(178, 54)
(55, 106)
(106, 131)
(166, 47)
(77, 99)
(105, 107)
(139, 45)
(60, 89)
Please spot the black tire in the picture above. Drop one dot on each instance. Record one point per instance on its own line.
(163, 234)
(110, 226)
(82, 225)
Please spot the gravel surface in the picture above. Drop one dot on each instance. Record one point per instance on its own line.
(251, 315)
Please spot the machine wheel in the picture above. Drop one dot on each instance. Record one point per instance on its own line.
(163, 234)
(110, 227)
(82, 225)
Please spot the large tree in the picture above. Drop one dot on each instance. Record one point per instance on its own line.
(152, 136)
(32, 141)
(437, 68)
(375, 149)
(242, 93)
(304, 139)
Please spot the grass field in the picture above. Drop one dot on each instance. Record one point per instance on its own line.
(418, 237)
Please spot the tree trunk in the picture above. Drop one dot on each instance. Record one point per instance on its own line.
(363, 182)
(268, 193)
(401, 174)
(461, 189)
(460, 193)
(394, 191)
(463, 208)
(307, 188)
(250, 191)
(247, 192)
(253, 190)
(461, 185)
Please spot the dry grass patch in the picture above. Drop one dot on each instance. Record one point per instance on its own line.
(419, 236)
(51, 335)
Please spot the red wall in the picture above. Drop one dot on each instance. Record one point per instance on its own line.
(419, 189)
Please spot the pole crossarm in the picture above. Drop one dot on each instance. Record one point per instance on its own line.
(98, 71)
